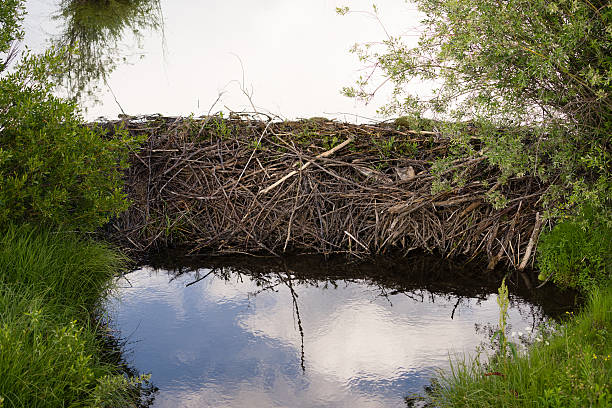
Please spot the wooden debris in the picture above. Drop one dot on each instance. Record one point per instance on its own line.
(243, 185)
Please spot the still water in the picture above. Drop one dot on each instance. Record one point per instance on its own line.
(303, 335)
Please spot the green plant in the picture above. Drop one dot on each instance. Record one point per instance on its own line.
(568, 368)
(503, 301)
(385, 146)
(63, 266)
(531, 77)
(220, 127)
(49, 359)
(577, 252)
(54, 170)
(496, 199)
(93, 30)
(409, 149)
(255, 144)
(11, 14)
(50, 286)
(330, 141)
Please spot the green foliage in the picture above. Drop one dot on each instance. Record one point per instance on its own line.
(330, 141)
(566, 369)
(11, 14)
(63, 266)
(496, 199)
(221, 127)
(516, 57)
(503, 301)
(577, 253)
(535, 79)
(54, 170)
(95, 28)
(504, 65)
(49, 346)
(385, 146)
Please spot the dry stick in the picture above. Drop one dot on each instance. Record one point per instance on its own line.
(532, 241)
(297, 194)
(356, 240)
(334, 186)
(294, 172)
(492, 237)
(201, 278)
(493, 261)
(253, 153)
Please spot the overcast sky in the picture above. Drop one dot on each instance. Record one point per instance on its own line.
(295, 56)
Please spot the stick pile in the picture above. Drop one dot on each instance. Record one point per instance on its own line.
(243, 185)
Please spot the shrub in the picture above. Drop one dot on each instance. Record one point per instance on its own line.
(577, 253)
(541, 65)
(11, 14)
(54, 170)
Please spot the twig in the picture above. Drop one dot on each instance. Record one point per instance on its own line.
(294, 172)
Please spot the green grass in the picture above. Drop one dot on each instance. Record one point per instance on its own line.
(570, 368)
(65, 268)
(50, 346)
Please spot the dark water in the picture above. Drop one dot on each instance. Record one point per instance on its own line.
(303, 333)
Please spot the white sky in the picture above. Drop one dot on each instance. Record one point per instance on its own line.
(294, 52)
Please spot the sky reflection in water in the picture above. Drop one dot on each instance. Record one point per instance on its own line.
(217, 343)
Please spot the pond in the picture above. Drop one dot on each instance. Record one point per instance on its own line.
(304, 332)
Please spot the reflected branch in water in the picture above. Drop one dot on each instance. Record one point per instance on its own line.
(95, 28)
(198, 279)
(459, 299)
(296, 310)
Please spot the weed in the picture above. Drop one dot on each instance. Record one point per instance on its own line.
(385, 146)
(569, 367)
(330, 142)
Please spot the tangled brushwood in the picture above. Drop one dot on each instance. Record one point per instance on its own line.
(245, 185)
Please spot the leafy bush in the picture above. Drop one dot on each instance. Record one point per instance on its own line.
(539, 64)
(11, 13)
(577, 253)
(54, 170)
(535, 78)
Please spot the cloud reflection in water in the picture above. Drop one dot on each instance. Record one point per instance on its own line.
(217, 344)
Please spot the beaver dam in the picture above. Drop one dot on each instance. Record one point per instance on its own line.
(242, 185)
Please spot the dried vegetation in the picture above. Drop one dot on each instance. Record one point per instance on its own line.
(244, 185)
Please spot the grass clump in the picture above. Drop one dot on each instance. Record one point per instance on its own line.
(50, 345)
(569, 368)
(64, 267)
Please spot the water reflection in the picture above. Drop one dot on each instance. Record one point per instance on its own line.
(218, 336)
(96, 28)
